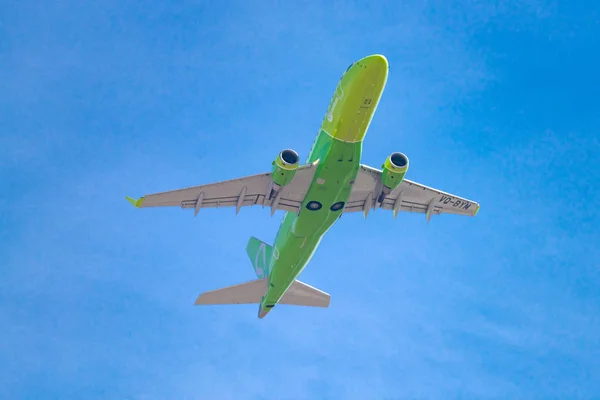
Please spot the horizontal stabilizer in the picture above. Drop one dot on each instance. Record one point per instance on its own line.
(301, 294)
(252, 292)
(244, 293)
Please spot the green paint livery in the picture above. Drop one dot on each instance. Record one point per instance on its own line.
(337, 149)
(314, 195)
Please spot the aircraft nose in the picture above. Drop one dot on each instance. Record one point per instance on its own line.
(375, 62)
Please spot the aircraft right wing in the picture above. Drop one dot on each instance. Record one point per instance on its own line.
(409, 196)
(242, 192)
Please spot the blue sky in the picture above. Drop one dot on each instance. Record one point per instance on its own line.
(497, 103)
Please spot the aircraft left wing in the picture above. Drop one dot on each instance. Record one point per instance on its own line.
(241, 192)
(408, 196)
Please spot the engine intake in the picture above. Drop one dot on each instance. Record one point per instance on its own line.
(284, 168)
(394, 169)
(289, 157)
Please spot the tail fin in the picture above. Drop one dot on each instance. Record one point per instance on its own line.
(260, 255)
(245, 293)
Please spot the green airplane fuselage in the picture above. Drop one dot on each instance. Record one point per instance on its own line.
(337, 151)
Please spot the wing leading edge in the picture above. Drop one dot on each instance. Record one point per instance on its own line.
(242, 192)
(408, 196)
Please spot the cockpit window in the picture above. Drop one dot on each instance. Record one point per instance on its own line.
(349, 66)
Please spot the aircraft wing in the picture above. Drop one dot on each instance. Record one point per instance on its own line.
(241, 192)
(408, 196)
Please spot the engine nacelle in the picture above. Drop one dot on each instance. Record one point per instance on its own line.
(394, 169)
(284, 168)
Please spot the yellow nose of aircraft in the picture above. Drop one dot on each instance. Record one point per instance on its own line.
(375, 61)
(356, 98)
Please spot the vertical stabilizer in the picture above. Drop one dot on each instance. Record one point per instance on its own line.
(260, 255)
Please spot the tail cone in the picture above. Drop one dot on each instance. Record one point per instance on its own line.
(262, 312)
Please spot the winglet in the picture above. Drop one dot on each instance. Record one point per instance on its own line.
(136, 203)
(476, 210)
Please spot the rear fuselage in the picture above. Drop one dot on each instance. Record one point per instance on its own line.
(337, 151)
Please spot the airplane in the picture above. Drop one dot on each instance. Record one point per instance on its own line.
(314, 195)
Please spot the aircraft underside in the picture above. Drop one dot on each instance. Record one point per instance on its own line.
(314, 195)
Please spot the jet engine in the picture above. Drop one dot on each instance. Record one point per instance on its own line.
(393, 170)
(284, 169)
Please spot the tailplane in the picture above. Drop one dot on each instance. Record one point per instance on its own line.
(245, 293)
(252, 292)
(260, 255)
(301, 294)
